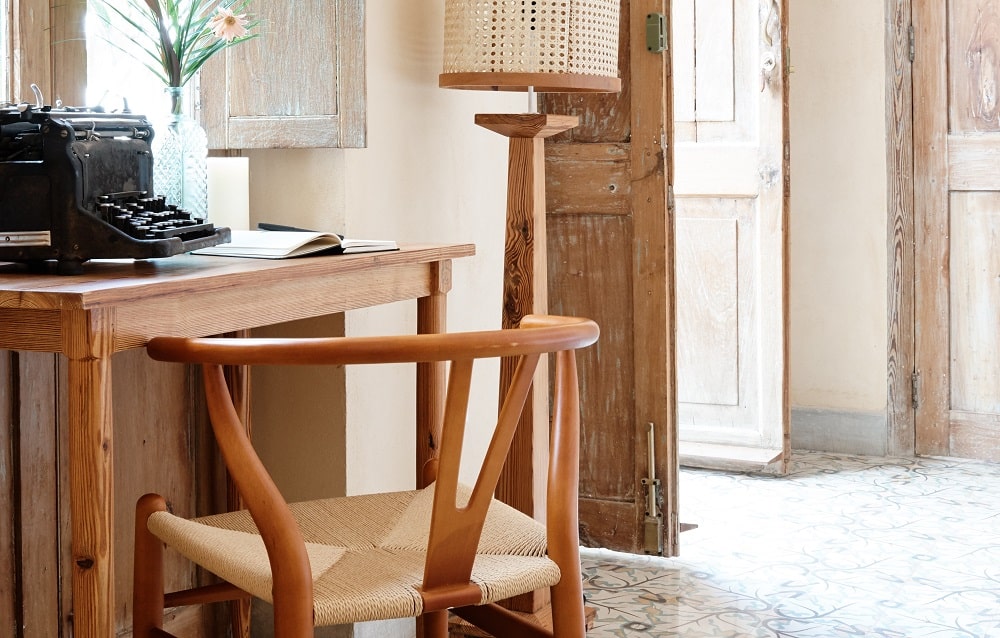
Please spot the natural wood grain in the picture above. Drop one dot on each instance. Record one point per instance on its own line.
(931, 227)
(974, 65)
(69, 53)
(899, 160)
(9, 526)
(319, 104)
(587, 179)
(154, 452)
(116, 282)
(525, 291)
(591, 276)
(653, 296)
(31, 24)
(30, 330)
(526, 126)
(87, 345)
(974, 435)
(238, 306)
(432, 313)
(612, 259)
(930, 197)
(458, 628)
(974, 340)
(972, 162)
(38, 492)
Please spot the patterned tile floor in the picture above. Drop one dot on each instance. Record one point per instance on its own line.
(842, 546)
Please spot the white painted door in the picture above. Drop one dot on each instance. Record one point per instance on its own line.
(731, 192)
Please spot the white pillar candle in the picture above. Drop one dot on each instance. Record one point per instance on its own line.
(229, 192)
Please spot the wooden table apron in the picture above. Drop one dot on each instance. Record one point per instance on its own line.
(115, 306)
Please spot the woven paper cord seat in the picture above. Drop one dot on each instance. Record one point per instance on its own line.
(366, 552)
(420, 553)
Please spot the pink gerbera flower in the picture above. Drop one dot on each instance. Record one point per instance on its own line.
(227, 25)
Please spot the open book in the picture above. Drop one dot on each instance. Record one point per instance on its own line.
(281, 244)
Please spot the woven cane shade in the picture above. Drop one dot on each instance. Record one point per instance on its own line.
(550, 45)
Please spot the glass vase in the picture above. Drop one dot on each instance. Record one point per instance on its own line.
(180, 157)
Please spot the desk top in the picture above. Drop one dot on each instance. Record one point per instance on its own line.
(112, 282)
(197, 295)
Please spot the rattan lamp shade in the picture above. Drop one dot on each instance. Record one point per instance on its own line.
(549, 45)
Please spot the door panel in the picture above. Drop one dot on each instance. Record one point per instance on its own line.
(707, 332)
(957, 209)
(610, 258)
(731, 191)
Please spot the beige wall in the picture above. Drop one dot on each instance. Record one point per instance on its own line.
(838, 209)
(428, 174)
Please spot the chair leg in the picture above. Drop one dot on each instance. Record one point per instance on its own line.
(433, 624)
(568, 615)
(147, 572)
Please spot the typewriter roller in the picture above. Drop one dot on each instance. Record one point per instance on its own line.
(77, 184)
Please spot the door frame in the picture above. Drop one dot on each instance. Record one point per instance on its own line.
(901, 430)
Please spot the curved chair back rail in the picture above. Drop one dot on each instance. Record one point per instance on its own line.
(452, 577)
(537, 333)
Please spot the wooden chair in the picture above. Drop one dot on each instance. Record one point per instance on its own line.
(406, 554)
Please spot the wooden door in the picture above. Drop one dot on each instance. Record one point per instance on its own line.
(610, 258)
(731, 188)
(956, 133)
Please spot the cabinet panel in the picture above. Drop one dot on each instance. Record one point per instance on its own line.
(300, 84)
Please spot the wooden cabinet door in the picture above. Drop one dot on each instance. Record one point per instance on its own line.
(301, 84)
(610, 258)
(956, 135)
(731, 188)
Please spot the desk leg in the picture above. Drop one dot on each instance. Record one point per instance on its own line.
(431, 318)
(87, 344)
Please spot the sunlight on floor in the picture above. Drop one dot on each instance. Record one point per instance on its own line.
(841, 546)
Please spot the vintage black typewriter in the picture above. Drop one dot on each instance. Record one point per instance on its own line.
(77, 184)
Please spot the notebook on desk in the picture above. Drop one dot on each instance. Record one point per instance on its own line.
(284, 244)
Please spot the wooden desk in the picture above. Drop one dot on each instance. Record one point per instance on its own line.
(115, 306)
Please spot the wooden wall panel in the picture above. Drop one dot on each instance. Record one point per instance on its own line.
(154, 453)
(8, 623)
(158, 422)
(38, 484)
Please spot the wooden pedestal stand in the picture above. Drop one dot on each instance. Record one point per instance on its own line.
(525, 282)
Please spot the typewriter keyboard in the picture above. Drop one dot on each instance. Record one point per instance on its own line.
(143, 217)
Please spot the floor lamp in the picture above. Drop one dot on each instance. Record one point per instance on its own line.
(534, 46)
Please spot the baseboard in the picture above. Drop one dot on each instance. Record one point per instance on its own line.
(842, 432)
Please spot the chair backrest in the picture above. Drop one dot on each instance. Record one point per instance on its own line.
(455, 529)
